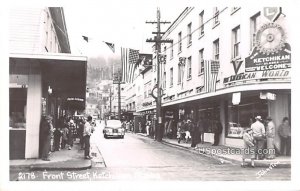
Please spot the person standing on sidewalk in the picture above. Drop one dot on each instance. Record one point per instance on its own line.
(195, 134)
(87, 131)
(270, 134)
(249, 147)
(200, 126)
(259, 136)
(47, 131)
(217, 127)
(284, 132)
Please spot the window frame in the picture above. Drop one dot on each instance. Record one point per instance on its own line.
(236, 40)
(201, 62)
(189, 34)
(189, 68)
(201, 23)
(171, 76)
(179, 42)
(216, 50)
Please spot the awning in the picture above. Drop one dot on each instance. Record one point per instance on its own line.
(64, 73)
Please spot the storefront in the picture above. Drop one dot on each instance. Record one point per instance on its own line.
(41, 85)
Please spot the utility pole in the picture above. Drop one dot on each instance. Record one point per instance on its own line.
(157, 40)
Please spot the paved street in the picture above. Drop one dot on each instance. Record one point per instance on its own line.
(140, 158)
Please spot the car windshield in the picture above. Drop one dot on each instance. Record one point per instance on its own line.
(113, 123)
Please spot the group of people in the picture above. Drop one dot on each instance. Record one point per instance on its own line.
(64, 134)
(188, 130)
(259, 139)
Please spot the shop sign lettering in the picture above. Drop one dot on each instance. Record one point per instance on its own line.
(267, 74)
(241, 76)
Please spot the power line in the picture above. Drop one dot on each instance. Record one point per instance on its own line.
(198, 28)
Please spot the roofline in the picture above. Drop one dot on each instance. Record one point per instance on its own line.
(54, 56)
(182, 14)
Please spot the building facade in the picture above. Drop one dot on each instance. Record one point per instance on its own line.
(44, 78)
(226, 63)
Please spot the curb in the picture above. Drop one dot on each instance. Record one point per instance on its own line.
(77, 165)
(230, 160)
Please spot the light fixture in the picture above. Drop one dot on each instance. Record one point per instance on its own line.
(49, 90)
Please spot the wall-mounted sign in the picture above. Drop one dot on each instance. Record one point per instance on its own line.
(267, 74)
(271, 51)
(267, 96)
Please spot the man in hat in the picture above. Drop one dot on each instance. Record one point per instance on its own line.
(259, 136)
(270, 134)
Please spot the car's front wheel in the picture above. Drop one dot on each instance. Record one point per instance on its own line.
(105, 136)
(122, 136)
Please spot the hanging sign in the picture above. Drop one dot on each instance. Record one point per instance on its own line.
(267, 96)
(272, 13)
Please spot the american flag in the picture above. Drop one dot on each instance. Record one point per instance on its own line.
(182, 61)
(211, 70)
(129, 58)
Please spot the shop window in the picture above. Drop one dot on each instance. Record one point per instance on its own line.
(17, 101)
(240, 117)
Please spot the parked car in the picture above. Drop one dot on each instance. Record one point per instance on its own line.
(113, 128)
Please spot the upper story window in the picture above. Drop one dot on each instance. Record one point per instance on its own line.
(254, 25)
(189, 67)
(179, 73)
(179, 42)
(216, 50)
(171, 77)
(201, 62)
(201, 23)
(216, 16)
(236, 40)
(171, 51)
(189, 32)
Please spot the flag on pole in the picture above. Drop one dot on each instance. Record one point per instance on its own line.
(85, 38)
(182, 61)
(110, 45)
(211, 70)
(129, 58)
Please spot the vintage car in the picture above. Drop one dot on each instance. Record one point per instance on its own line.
(113, 128)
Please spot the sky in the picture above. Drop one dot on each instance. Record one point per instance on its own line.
(124, 25)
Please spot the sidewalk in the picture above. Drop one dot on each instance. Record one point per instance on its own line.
(62, 160)
(208, 150)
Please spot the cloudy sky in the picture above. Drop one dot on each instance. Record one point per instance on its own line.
(122, 24)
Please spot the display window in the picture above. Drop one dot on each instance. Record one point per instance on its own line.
(239, 117)
(17, 101)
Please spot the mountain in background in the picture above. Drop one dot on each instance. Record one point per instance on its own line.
(101, 69)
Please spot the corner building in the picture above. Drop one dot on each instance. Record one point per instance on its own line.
(229, 63)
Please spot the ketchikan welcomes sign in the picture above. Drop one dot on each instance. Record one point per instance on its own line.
(270, 58)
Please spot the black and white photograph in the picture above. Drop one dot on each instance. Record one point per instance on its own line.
(139, 91)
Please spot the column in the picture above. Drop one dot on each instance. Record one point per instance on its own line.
(34, 102)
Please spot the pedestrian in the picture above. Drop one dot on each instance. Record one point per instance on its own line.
(72, 129)
(64, 140)
(80, 131)
(259, 137)
(217, 128)
(270, 135)
(284, 131)
(46, 133)
(180, 130)
(195, 135)
(57, 136)
(249, 147)
(187, 132)
(148, 123)
(200, 126)
(87, 132)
